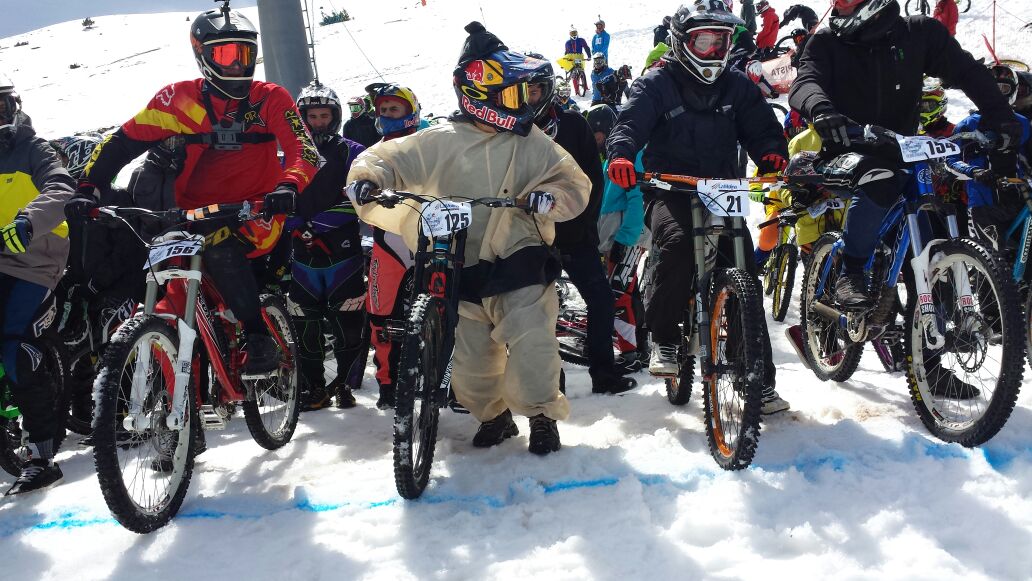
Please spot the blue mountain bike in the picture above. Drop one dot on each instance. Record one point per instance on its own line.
(965, 358)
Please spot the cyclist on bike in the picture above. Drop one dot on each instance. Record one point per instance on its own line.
(577, 239)
(33, 248)
(601, 72)
(690, 115)
(231, 125)
(398, 115)
(576, 46)
(870, 40)
(327, 289)
(506, 353)
(562, 96)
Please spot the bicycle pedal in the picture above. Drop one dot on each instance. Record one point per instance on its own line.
(211, 419)
(257, 376)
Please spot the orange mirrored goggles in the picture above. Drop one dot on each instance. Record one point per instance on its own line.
(512, 97)
(228, 54)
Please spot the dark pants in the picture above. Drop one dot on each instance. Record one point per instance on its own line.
(25, 307)
(583, 264)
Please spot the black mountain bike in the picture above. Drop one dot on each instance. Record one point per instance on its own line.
(427, 333)
(724, 324)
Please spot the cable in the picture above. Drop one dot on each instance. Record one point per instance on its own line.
(377, 71)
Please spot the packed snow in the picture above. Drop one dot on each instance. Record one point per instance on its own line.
(848, 484)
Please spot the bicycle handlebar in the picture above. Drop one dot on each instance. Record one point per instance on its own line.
(390, 198)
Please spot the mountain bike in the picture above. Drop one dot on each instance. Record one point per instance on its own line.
(575, 76)
(953, 329)
(780, 267)
(724, 324)
(924, 7)
(427, 333)
(177, 366)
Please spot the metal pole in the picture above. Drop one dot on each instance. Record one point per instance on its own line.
(285, 44)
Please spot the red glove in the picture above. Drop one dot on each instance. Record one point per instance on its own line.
(771, 163)
(621, 171)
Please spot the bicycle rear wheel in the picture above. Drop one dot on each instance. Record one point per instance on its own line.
(732, 394)
(272, 414)
(830, 355)
(964, 391)
(425, 357)
(784, 277)
(679, 387)
(141, 493)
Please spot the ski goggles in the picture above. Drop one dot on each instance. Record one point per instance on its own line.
(356, 108)
(512, 97)
(846, 7)
(709, 44)
(241, 54)
(930, 105)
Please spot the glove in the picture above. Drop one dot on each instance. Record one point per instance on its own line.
(621, 172)
(617, 253)
(361, 192)
(756, 193)
(831, 127)
(771, 163)
(983, 175)
(540, 202)
(17, 235)
(1010, 132)
(279, 201)
(82, 203)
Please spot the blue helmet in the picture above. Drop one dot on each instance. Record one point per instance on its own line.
(493, 90)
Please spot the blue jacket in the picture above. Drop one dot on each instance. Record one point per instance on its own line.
(981, 194)
(596, 78)
(694, 129)
(600, 43)
(576, 45)
(616, 199)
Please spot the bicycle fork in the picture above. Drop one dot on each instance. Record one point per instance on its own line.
(929, 320)
(137, 419)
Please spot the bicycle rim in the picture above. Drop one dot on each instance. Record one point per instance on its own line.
(272, 415)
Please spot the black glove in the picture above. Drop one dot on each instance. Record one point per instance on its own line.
(82, 204)
(540, 202)
(831, 127)
(1011, 132)
(983, 175)
(617, 253)
(362, 191)
(279, 201)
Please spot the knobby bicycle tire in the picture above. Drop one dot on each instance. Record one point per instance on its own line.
(784, 280)
(830, 357)
(284, 390)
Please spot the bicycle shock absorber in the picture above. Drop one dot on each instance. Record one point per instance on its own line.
(441, 250)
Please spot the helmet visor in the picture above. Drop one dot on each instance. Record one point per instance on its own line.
(708, 44)
(356, 108)
(512, 97)
(233, 55)
(929, 105)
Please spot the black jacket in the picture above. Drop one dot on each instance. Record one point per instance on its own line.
(659, 34)
(575, 136)
(362, 130)
(694, 129)
(880, 82)
(803, 13)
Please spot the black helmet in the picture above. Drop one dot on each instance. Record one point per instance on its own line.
(9, 99)
(849, 18)
(316, 95)
(225, 44)
(544, 76)
(601, 118)
(701, 35)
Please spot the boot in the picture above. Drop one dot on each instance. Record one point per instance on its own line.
(544, 435)
(494, 432)
(612, 383)
(345, 399)
(262, 354)
(945, 383)
(36, 474)
(316, 398)
(663, 360)
(851, 292)
(386, 400)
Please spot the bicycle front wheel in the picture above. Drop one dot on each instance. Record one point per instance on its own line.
(580, 83)
(830, 355)
(271, 415)
(732, 394)
(784, 277)
(424, 359)
(965, 388)
(143, 472)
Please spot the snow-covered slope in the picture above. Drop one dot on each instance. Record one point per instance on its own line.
(847, 484)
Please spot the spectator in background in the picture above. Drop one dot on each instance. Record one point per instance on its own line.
(361, 128)
(804, 13)
(749, 15)
(659, 33)
(768, 36)
(600, 42)
(946, 12)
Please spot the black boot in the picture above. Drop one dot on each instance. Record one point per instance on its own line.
(345, 399)
(851, 292)
(544, 435)
(386, 400)
(262, 354)
(316, 398)
(36, 474)
(611, 383)
(945, 383)
(494, 432)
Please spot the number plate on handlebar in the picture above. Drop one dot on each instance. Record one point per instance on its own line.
(921, 148)
(725, 198)
(444, 217)
(817, 210)
(163, 252)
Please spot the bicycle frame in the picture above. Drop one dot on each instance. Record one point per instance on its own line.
(1023, 224)
(918, 195)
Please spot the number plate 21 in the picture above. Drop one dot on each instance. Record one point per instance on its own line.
(725, 198)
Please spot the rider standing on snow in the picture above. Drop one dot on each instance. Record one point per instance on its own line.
(868, 67)
(690, 115)
(231, 125)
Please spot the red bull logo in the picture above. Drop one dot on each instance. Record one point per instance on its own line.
(489, 116)
(475, 72)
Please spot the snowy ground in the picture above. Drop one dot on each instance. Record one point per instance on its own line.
(847, 485)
